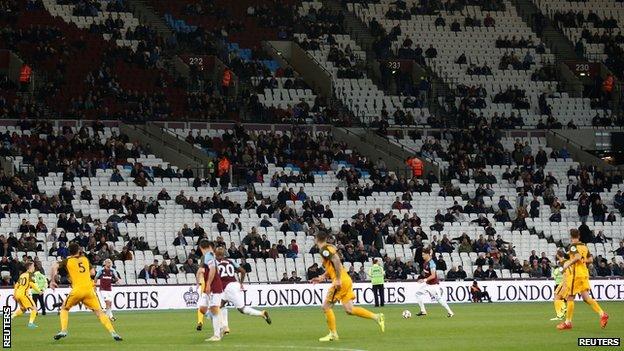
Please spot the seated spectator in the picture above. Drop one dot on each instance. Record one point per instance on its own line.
(189, 266)
(314, 271)
(294, 278)
(180, 240)
(479, 295)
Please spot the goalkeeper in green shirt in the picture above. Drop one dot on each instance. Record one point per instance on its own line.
(560, 288)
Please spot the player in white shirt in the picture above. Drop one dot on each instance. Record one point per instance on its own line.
(233, 290)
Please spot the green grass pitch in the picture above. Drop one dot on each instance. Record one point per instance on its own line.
(502, 326)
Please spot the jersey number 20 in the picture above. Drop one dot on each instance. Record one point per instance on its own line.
(226, 271)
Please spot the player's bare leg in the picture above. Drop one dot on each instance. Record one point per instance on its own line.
(331, 322)
(364, 313)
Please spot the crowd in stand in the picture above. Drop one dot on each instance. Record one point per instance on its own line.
(606, 35)
(252, 152)
(73, 153)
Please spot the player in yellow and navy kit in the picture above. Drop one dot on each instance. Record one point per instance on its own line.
(577, 281)
(22, 296)
(341, 289)
(201, 283)
(80, 274)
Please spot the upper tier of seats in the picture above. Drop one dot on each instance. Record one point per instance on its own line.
(458, 45)
(593, 27)
(340, 55)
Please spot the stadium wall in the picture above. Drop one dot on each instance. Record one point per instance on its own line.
(162, 297)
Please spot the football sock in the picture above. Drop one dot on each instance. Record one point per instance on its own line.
(559, 306)
(252, 311)
(224, 318)
(594, 305)
(331, 320)
(200, 317)
(445, 305)
(570, 311)
(64, 316)
(33, 315)
(18, 312)
(109, 312)
(106, 322)
(363, 312)
(421, 304)
(216, 325)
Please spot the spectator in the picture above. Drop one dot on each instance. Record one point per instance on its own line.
(314, 271)
(285, 278)
(180, 240)
(479, 295)
(190, 266)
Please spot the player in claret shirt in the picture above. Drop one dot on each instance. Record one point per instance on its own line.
(210, 299)
(233, 290)
(428, 283)
(107, 276)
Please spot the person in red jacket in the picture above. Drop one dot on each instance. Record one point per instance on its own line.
(226, 81)
(416, 166)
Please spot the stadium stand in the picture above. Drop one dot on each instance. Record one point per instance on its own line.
(591, 26)
(504, 198)
(271, 226)
(339, 54)
(505, 50)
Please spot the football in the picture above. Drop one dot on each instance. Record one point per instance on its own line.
(407, 314)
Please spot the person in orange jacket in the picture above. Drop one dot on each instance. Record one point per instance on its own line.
(226, 81)
(223, 167)
(416, 166)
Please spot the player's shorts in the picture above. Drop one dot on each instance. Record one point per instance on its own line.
(561, 290)
(233, 294)
(433, 290)
(210, 300)
(343, 294)
(86, 296)
(577, 285)
(24, 301)
(107, 295)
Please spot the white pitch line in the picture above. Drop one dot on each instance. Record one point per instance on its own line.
(291, 347)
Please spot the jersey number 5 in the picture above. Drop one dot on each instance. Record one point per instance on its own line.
(82, 267)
